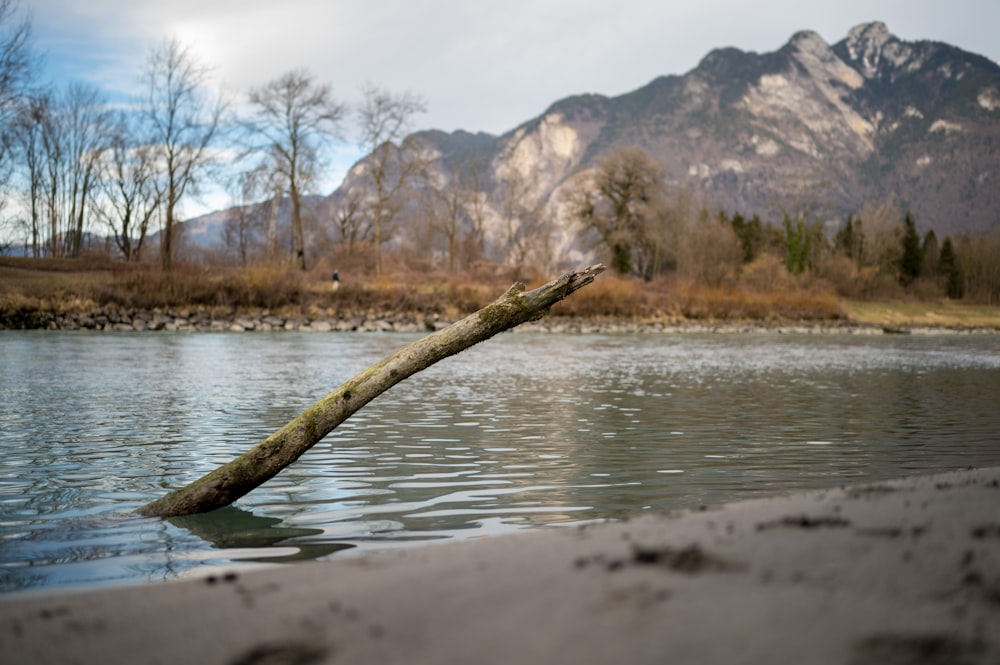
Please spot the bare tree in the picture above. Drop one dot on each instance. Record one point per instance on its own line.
(265, 183)
(277, 190)
(26, 133)
(17, 69)
(623, 202)
(445, 200)
(458, 209)
(129, 199)
(978, 259)
(296, 117)
(50, 143)
(184, 123)
(522, 221)
(711, 252)
(86, 132)
(16, 60)
(880, 227)
(394, 159)
(472, 177)
(60, 141)
(352, 224)
(249, 213)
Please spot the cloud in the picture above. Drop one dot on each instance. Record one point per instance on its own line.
(482, 65)
(486, 65)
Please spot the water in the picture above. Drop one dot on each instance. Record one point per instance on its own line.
(524, 431)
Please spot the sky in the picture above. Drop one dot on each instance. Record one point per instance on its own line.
(480, 65)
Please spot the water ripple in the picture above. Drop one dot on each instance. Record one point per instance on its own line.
(525, 431)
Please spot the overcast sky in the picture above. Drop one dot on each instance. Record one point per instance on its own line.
(481, 65)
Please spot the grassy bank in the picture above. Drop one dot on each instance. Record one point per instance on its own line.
(932, 314)
(66, 286)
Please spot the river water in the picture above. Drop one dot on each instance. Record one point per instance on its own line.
(524, 431)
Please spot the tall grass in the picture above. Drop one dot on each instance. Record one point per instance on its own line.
(666, 299)
(46, 285)
(263, 288)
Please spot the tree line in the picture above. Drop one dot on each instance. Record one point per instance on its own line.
(648, 228)
(73, 164)
(74, 167)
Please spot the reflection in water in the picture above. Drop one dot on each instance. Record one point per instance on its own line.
(523, 431)
(233, 528)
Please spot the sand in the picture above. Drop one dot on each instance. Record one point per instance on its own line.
(906, 571)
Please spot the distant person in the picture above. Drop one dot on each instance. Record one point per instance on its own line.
(336, 280)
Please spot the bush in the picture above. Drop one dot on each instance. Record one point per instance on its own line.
(609, 296)
(766, 273)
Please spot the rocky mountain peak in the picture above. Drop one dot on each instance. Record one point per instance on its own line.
(871, 48)
(867, 38)
(808, 41)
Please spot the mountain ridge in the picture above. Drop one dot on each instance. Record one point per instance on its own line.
(868, 119)
(833, 109)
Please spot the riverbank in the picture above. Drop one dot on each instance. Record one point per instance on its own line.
(121, 319)
(53, 294)
(889, 572)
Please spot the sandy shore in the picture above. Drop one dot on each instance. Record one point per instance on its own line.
(906, 571)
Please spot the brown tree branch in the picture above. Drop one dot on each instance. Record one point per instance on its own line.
(261, 463)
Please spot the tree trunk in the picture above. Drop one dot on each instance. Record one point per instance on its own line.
(167, 237)
(297, 234)
(232, 480)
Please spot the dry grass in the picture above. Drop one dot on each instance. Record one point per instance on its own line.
(28, 286)
(42, 284)
(742, 304)
(940, 313)
(56, 279)
(614, 296)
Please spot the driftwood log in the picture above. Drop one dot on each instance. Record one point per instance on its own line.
(234, 479)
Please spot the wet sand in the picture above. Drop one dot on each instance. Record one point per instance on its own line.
(905, 571)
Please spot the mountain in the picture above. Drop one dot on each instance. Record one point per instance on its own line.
(868, 119)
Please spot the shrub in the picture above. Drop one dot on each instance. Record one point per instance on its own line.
(766, 273)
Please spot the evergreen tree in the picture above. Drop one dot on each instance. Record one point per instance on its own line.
(949, 270)
(912, 259)
(798, 245)
(850, 240)
(749, 231)
(929, 251)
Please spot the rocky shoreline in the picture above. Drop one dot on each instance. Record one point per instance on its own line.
(117, 319)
